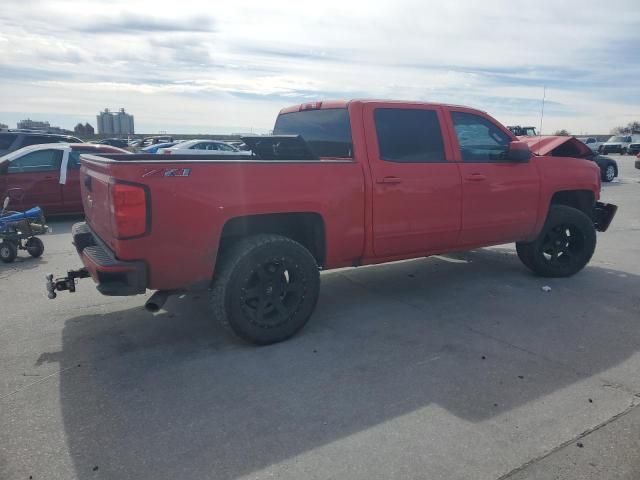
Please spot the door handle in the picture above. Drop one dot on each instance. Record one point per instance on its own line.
(49, 177)
(389, 180)
(475, 177)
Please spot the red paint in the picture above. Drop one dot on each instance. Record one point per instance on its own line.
(373, 210)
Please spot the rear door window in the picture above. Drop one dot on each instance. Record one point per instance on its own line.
(74, 160)
(40, 161)
(409, 135)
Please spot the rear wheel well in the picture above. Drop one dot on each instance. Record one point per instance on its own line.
(305, 228)
(583, 200)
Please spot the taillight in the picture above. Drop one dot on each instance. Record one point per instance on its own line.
(128, 210)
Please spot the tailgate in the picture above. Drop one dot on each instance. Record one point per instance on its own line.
(95, 178)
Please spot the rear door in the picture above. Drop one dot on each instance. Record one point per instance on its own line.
(416, 186)
(71, 197)
(499, 197)
(38, 175)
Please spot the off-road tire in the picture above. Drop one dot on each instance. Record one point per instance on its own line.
(8, 251)
(265, 288)
(35, 247)
(565, 244)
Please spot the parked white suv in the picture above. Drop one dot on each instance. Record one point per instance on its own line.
(619, 144)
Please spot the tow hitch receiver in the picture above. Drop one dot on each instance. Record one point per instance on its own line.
(64, 283)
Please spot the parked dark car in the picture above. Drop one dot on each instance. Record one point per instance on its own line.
(608, 167)
(114, 142)
(10, 141)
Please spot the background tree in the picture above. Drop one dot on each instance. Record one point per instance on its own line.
(629, 128)
(563, 132)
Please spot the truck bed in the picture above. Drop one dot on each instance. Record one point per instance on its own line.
(192, 197)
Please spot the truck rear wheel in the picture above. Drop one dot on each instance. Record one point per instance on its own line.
(565, 245)
(265, 288)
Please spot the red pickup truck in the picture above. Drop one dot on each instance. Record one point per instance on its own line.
(341, 183)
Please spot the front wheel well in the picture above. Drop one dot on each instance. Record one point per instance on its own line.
(306, 228)
(583, 200)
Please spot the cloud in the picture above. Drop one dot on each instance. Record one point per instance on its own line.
(137, 23)
(190, 64)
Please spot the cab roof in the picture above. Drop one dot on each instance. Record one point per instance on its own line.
(327, 104)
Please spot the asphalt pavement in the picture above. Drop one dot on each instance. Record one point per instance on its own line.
(450, 367)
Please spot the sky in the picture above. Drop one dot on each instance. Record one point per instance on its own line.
(222, 67)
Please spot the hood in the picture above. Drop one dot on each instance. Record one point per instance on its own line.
(557, 146)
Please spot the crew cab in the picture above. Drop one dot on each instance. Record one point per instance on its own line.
(339, 184)
(48, 175)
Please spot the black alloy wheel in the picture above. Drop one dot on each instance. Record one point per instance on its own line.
(265, 288)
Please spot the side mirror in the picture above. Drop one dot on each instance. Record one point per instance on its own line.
(518, 152)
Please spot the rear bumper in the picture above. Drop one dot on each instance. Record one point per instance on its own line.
(112, 276)
(603, 214)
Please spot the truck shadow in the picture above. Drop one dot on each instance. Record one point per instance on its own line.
(22, 262)
(173, 395)
(61, 224)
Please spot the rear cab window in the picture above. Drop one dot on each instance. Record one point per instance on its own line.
(409, 135)
(326, 131)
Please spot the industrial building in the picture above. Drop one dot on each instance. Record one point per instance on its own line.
(115, 123)
(29, 124)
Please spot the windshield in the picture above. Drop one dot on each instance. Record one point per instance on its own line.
(327, 132)
(617, 139)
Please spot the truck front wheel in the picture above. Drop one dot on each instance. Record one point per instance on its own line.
(265, 288)
(565, 245)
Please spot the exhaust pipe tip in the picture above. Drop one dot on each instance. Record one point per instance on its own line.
(156, 301)
(152, 307)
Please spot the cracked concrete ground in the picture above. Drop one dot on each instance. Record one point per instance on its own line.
(452, 367)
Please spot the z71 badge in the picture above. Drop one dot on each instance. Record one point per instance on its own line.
(167, 172)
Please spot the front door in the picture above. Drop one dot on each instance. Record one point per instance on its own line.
(38, 175)
(416, 188)
(499, 198)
